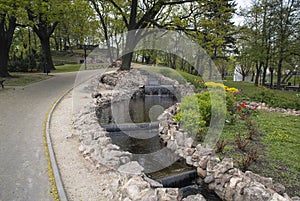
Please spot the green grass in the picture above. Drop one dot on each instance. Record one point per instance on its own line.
(167, 72)
(67, 68)
(190, 78)
(273, 98)
(66, 57)
(278, 145)
(281, 132)
(22, 79)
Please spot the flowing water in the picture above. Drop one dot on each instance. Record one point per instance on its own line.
(133, 126)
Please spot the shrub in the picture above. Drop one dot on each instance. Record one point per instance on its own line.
(197, 111)
(252, 129)
(246, 160)
(221, 145)
(241, 142)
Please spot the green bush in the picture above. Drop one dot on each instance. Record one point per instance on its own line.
(197, 111)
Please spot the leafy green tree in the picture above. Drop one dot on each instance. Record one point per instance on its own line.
(9, 11)
(286, 18)
(138, 15)
(270, 33)
(44, 16)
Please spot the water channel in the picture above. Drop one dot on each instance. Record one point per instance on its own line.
(133, 126)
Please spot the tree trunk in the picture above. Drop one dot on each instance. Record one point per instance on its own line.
(131, 42)
(264, 75)
(3, 60)
(6, 37)
(258, 67)
(278, 86)
(47, 53)
(126, 61)
(210, 69)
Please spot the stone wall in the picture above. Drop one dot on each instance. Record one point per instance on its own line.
(229, 183)
(129, 182)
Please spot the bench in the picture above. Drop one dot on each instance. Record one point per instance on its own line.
(1, 82)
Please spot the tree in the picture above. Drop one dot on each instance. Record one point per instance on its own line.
(138, 15)
(44, 16)
(102, 10)
(270, 32)
(286, 22)
(214, 30)
(8, 23)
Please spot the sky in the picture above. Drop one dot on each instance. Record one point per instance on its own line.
(241, 3)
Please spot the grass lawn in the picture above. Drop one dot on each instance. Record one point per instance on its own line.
(277, 145)
(165, 71)
(67, 68)
(273, 98)
(22, 79)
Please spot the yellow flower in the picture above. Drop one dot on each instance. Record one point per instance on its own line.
(226, 88)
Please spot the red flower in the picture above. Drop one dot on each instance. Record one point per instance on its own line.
(244, 105)
(239, 107)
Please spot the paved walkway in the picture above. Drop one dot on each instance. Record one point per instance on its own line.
(23, 166)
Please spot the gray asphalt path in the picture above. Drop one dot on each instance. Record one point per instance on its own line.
(23, 165)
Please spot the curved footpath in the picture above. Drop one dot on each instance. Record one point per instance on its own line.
(23, 164)
(81, 180)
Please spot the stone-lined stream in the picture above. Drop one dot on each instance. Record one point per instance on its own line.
(133, 126)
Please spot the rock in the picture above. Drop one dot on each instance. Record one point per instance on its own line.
(234, 181)
(189, 151)
(168, 194)
(296, 198)
(197, 197)
(212, 162)
(240, 186)
(256, 192)
(212, 186)
(277, 197)
(225, 179)
(172, 145)
(180, 138)
(124, 159)
(279, 188)
(153, 183)
(188, 142)
(221, 168)
(201, 172)
(195, 157)
(268, 182)
(133, 168)
(136, 188)
(96, 95)
(81, 148)
(203, 162)
(205, 151)
(208, 179)
(189, 160)
(229, 193)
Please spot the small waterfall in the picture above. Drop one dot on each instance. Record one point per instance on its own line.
(196, 189)
(130, 126)
(179, 180)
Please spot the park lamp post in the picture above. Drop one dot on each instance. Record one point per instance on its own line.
(84, 48)
(271, 72)
(295, 74)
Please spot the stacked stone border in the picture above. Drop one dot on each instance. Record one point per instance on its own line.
(227, 182)
(132, 184)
